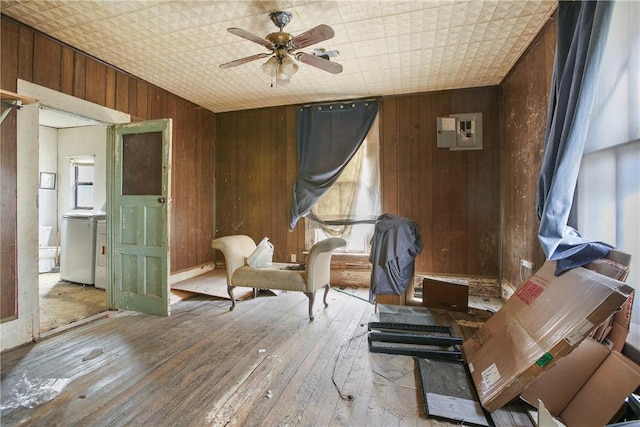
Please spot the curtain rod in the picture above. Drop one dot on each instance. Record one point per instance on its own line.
(346, 101)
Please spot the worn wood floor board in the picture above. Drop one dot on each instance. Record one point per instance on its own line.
(315, 351)
(349, 366)
(269, 335)
(351, 384)
(235, 369)
(160, 377)
(331, 399)
(190, 368)
(201, 366)
(66, 356)
(140, 366)
(315, 370)
(316, 393)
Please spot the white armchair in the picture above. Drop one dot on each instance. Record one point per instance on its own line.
(316, 274)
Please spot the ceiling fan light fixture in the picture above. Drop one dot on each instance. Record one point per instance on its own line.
(288, 67)
(283, 46)
(271, 66)
(282, 69)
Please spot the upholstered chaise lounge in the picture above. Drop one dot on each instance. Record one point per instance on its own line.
(315, 275)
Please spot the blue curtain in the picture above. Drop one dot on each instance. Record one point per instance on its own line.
(582, 28)
(328, 136)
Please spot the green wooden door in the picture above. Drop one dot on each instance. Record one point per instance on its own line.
(140, 216)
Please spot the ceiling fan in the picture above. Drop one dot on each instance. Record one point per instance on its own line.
(282, 46)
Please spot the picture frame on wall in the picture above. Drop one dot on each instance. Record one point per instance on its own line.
(47, 180)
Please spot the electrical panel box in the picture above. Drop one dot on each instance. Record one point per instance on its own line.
(460, 131)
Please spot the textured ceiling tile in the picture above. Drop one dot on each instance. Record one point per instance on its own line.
(354, 11)
(386, 46)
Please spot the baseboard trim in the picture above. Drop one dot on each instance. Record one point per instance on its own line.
(192, 272)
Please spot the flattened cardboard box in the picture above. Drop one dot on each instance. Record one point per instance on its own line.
(613, 332)
(544, 320)
(587, 387)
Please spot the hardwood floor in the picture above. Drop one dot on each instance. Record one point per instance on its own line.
(262, 364)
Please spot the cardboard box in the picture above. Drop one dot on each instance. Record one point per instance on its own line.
(587, 387)
(614, 331)
(545, 319)
(449, 294)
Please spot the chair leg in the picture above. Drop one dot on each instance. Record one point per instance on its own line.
(311, 296)
(324, 299)
(233, 299)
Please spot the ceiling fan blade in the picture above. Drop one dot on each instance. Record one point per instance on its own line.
(250, 36)
(316, 61)
(315, 35)
(244, 60)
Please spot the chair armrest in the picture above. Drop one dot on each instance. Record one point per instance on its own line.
(318, 264)
(235, 249)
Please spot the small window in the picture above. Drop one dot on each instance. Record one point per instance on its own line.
(81, 179)
(355, 197)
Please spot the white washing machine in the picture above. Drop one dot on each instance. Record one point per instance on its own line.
(78, 246)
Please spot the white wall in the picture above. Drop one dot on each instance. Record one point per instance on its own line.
(76, 142)
(48, 199)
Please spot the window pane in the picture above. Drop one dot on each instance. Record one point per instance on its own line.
(84, 196)
(629, 207)
(142, 164)
(85, 173)
(597, 197)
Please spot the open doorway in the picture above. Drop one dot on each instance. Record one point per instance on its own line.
(26, 325)
(71, 204)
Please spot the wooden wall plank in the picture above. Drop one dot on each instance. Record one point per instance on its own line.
(403, 149)
(388, 155)
(66, 79)
(25, 61)
(142, 102)
(225, 167)
(47, 56)
(9, 45)
(417, 147)
(295, 238)
(441, 184)
(122, 92)
(79, 75)
(133, 99)
(524, 102)
(158, 104)
(110, 88)
(96, 82)
(424, 189)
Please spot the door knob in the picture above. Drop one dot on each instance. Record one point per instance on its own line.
(161, 200)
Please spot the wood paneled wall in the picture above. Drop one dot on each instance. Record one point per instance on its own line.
(452, 195)
(8, 185)
(525, 98)
(31, 56)
(256, 167)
